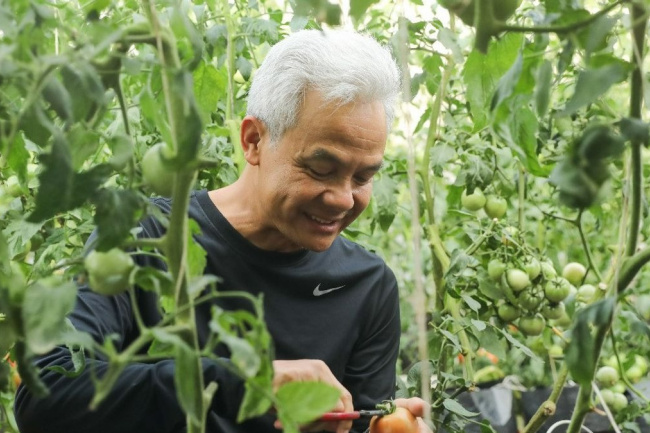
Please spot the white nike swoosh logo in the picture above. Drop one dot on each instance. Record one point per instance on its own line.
(319, 292)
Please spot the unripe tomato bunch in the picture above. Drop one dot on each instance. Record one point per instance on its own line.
(494, 205)
(533, 292)
(609, 378)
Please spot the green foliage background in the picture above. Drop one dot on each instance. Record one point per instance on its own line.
(87, 87)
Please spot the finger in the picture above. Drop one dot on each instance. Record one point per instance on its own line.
(423, 427)
(415, 405)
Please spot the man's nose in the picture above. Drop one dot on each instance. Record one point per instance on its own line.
(340, 196)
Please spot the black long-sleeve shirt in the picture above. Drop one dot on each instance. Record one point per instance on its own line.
(339, 306)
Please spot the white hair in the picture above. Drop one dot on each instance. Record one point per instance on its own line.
(343, 66)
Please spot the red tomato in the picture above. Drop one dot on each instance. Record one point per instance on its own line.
(400, 421)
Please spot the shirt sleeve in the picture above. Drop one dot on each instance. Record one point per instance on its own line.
(371, 373)
(144, 397)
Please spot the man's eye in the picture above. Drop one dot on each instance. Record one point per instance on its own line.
(318, 173)
(362, 180)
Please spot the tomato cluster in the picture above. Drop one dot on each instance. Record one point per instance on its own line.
(533, 292)
(494, 206)
(610, 378)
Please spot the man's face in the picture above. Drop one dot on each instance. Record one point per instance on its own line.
(317, 179)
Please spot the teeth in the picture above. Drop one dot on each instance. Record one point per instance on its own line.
(318, 220)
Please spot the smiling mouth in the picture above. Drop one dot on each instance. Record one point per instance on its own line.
(321, 221)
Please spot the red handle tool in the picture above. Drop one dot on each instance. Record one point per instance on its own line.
(340, 416)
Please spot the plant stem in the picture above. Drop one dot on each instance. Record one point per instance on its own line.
(419, 295)
(636, 102)
(438, 253)
(583, 402)
(521, 197)
(631, 267)
(585, 246)
(547, 409)
(567, 28)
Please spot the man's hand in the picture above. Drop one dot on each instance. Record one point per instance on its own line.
(314, 370)
(417, 407)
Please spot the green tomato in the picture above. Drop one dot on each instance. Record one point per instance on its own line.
(496, 268)
(607, 376)
(510, 233)
(495, 206)
(556, 351)
(557, 290)
(586, 293)
(608, 396)
(108, 272)
(634, 373)
(618, 387)
(532, 325)
(642, 363)
(473, 201)
(508, 312)
(554, 311)
(574, 272)
(533, 267)
(619, 402)
(517, 279)
(530, 300)
(548, 271)
(563, 322)
(155, 173)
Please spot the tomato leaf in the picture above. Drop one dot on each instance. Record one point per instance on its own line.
(581, 355)
(187, 117)
(61, 189)
(516, 343)
(186, 375)
(303, 402)
(196, 255)
(454, 407)
(209, 87)
(18, 157)
(254, 402)
(55, 93)
(358, 8)
(482, 72)
(117, 212)
(593, 83)
(46, 304)
(543, 87)
(385, 205)
(635, 130)
(507, 83)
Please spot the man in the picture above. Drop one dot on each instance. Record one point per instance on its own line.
(319, 110)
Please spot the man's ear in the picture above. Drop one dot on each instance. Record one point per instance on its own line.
(252, 133)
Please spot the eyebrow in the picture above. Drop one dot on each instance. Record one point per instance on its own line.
(324, 155)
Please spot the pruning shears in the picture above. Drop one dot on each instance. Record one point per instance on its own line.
(341, 416)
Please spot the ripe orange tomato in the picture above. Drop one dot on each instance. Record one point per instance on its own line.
(400, 421)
